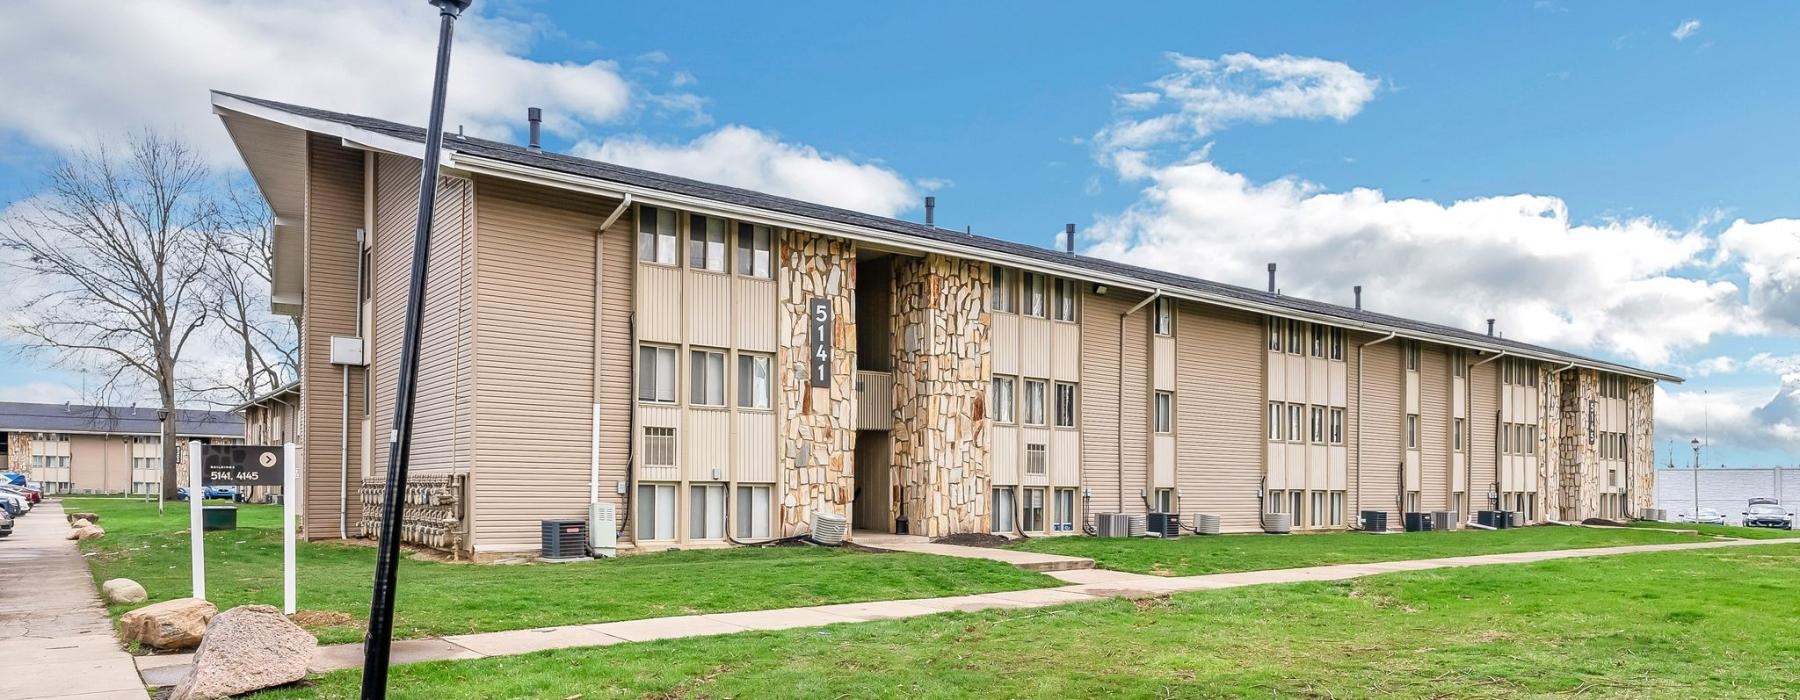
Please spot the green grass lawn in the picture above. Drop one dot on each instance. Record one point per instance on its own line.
(1747, 533)
(244, 566)
(1714, 623)
(1187, 556)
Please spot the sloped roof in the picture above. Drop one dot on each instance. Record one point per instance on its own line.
(114, 420)
(926, 235)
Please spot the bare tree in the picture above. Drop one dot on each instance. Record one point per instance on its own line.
(117, 247)
(237, 279)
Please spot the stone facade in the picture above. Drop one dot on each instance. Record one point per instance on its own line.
(941, 374)
(18, 452)
(1641, 487)
(1578, 457)
(1550, 426)
(817, 445)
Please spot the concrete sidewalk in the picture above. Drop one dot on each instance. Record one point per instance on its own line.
(1086, 585)
(53, 631)
(1029, 561)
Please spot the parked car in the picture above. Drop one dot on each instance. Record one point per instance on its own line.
(1766, 512)
(14, 504)
(34, 492)
(1707, 516)
(13, 478)
(211, 493)
(6, 523)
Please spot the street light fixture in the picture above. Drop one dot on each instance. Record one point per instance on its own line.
(1696, 477)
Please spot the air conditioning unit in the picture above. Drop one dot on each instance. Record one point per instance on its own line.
(1206, 523)
(1653, 514)
(1374, 520)
(829, 528)
(603, 529)
(1418, 522)
(564, 539)
(1497, 519)
(1140, 525)
(1277, 523)
(1443, 519)
(1165, 524)
(1112, 524)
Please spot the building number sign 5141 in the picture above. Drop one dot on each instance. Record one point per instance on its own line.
(818, 333)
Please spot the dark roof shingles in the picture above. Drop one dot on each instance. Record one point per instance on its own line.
(69, 418)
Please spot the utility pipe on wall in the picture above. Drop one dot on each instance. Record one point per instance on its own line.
(1499, 427)
(1357, 463)
(362, 237)
(599, 291)
(1120, 445)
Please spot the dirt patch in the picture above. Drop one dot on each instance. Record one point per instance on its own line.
(1603, 522)
(320, 618)
(972, 539)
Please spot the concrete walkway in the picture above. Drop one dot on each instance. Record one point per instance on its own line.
(55, 637)
(1029, 561)
(1085, 585)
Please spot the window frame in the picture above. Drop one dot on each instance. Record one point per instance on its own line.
(1296, 425)
(1042, 468)
(1005, 289)
(1412, 431)
(1062, 519)
(1008, 512)
(1035, 413)
(746, 505)
(653, 509)
(1336, 434)
(1457, 428)
(747, 250)
(1412, 355)
(1031, 509)
(1162, 317)
(1034, 295)
(655, 372)
(701, 376)
(700, 510)
(1277, 418)
(1162, 419)
(1295, 331)
(1065, 300)
(1337, 344)
(747, 364)
(701, 243)
(1072, 405)
(659, 241)
(1318, 340)
(1275, 325)
(1317, 414)
(1004, 413)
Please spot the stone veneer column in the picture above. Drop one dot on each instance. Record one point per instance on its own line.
(1580, 460)
(818, 426)
(941, 375)
(1550, 425)
(18, 453)
(1641, 400)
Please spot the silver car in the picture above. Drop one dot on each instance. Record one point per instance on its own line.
(1707, 516)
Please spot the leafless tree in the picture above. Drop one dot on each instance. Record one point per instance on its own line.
(237, 279)
(114, 250)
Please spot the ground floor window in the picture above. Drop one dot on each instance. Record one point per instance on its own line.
(1461, 499)
(706, 511)
(1531, 506)
(1063, 514)
(1276, 499)
(1294, 500)
(1318, 508)
(753, 511)
(1337, 508)
(1165, 500)
(1003, 510)
(1412, 501)
(656, 512)
(1032, 510)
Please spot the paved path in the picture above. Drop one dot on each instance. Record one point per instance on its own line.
(56, 640)
(1030, 561)
(1085, 585)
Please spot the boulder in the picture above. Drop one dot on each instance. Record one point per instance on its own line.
(247, 648)
(90, 517)
(90, 532)
(123, 590)
(171, 624)
(81, 523)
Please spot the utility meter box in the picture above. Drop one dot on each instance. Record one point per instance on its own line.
(347, 350)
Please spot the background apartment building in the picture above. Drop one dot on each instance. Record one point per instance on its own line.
(720, 364)
(100, 449)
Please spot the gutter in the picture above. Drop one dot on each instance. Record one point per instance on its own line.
(1357, 463)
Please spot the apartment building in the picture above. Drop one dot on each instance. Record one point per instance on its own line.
(78, 449)
(720, 364)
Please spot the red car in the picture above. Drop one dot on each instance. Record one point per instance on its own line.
(35, 493)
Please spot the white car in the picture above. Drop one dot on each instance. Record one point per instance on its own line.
(16, 503)
(1708, 516)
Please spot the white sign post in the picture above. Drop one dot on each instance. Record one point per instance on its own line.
(244, 474)
(288, 489)
(196, 506)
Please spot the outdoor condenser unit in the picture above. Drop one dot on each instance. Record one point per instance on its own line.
(1206, 523)
(1277, 523)
(564, 539)
(1443, 519)
(1374, 520)
(603, 529)
(1165, 524)
(1112, 524)
(828, 528)
(1140, 525)
(1419, 522)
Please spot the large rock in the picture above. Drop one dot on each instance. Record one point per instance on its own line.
(171, 624)
(123, 590)
(249, 647)
(90, 532)
(81, 523)
(90, 517)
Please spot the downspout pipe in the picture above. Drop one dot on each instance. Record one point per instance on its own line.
(1357, 463)
(1499, 428)
(599, 290)
(362, 237)
(1119, 450)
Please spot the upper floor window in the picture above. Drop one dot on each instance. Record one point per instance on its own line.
(657, 235)
(656, 374)
(1065, 405)
(1274, 334)
(1164, 316)
(706, 243)
(1164, 412)
(1412, 355)
(1337, 343)
(1318, 424)
(1035, 293)
(755, 380)
(1295, 420)
(1318, 340)
(1004, 290)
(1456, 435)
(1412, 430)
(1458, 366)
(755, 250)
(1274, 420)
(706, 378)
(1003, 399)
(1034, 402)
(1337, 426)
(1063, 308)
(1293, 336)
(1530, 369)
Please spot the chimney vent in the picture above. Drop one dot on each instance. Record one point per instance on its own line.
(1271, 278)
(1358, 290)
(1490, 326)
(1069, 238)
(536, 117)
(931, 211)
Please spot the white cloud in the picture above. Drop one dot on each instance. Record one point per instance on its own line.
(1686, 29)
(1721, 364)
(40, 392)
(1733, 419)
(744, 157)
(1769, 255)
(87, 68)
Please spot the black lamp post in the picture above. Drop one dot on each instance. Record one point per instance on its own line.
(387, 560)
(1696, 443)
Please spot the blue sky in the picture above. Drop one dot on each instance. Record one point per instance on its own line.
(1652, 163)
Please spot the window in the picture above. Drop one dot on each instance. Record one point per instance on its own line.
(1531, 378)
(1293, 337)
(1003, 399)
(656, 235)
(1318, 340)
(1337, 426)
(1337, 508)
(1294, 501)
(706, 512)
(656, 374)
(1318, 424)
(1064, 307)
(1458, 366)
(753, 511)
(659, 446)
(754, 380)
(1412, 501)
(1034, 402)
(706, 243)
(1505, 438)
(1165, 316)
(1317, 517)
(1412, 356)
(1274, 334)
(1032, 510)
(1065, 405)
(1275, 501)
(1456, 435)
(1165, 500)
(1294, 427)
(1274, 420)
(1165, 409)
(1003, 510)
(1337, 343)
(706, 378)
(1036, 461)
(1004, 290)
(1412, 430)
(1035, 293)
(656, 512)
(1062, 513)
(755, 246)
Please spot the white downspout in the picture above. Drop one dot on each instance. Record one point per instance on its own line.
(1357, 463)
(599, 268)
(1120, 444)
(344, 403)
(1499, 428)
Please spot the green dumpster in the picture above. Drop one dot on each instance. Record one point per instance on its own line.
(218, 518)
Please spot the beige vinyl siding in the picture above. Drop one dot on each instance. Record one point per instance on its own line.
(1382, 430)
(443, 407)
(1219, 418)
(334, 212)
(1103, 413)
(1484, 396)
(534, 388)
(1434, 428)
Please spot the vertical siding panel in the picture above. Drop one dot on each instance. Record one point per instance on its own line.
(1102, 410)
(1221, 386)
(1381, 430)
(1434, 428)
(333, 213)
(1484, 393)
